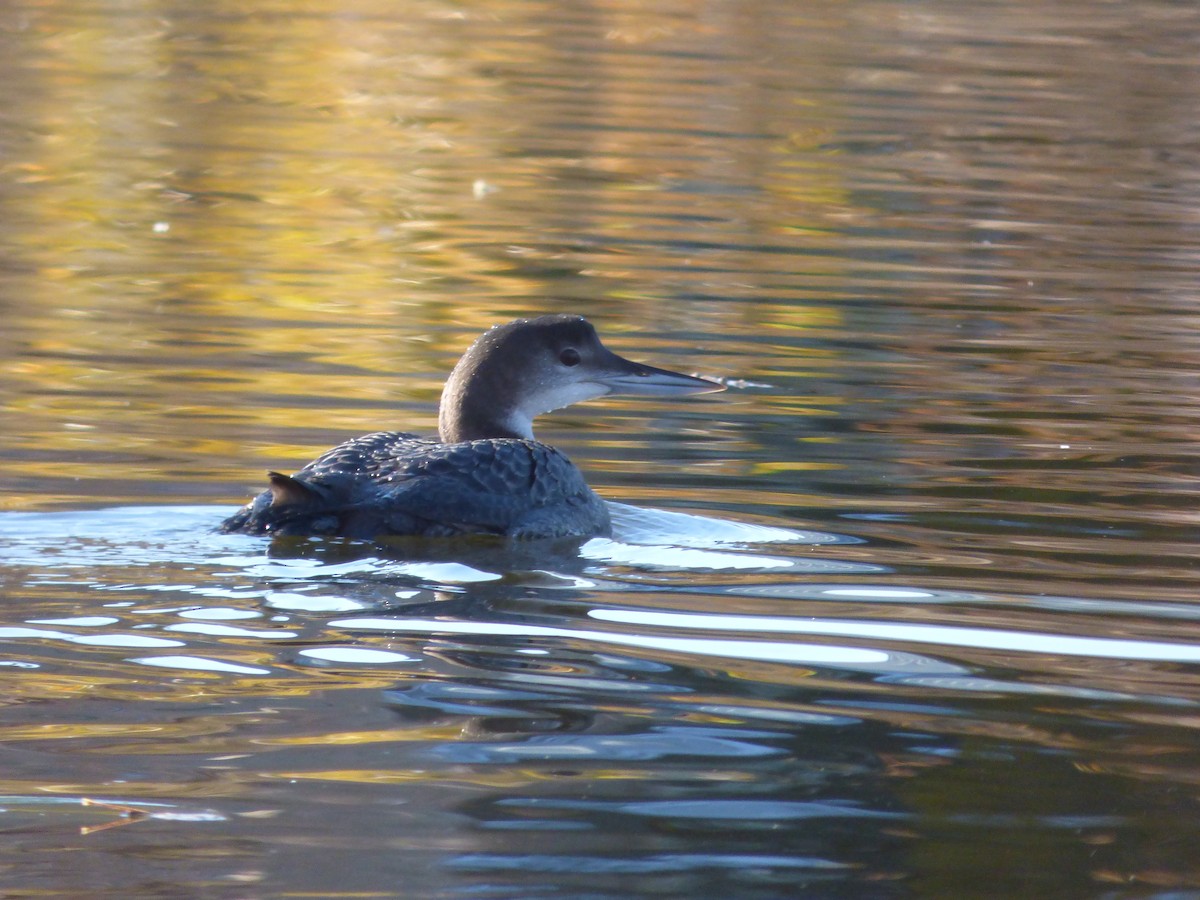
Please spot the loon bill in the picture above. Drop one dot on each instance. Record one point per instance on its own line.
(487, 474)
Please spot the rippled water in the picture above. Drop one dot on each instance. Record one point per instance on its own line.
(913, 610)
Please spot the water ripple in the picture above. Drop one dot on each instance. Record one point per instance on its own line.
(949, 635)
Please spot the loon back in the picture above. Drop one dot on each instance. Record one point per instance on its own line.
(487, 474)
(391, 483)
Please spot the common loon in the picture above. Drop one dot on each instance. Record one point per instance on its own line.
(487, 474)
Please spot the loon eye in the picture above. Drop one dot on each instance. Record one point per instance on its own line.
(569, 357)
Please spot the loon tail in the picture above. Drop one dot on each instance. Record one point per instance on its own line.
(289, 491)
(287, 502)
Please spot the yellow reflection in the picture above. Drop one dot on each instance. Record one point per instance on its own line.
(74, 730)
(767, 468)
(496, 776)
(348, 738)
(242, 237)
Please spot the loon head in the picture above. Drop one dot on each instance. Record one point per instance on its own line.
(517, 371)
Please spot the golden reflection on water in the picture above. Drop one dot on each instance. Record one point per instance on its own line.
(230, 225)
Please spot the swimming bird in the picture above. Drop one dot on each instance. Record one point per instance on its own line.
(487, 473)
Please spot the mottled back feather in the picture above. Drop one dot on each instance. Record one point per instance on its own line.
(392, 483)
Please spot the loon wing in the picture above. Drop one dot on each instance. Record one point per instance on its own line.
(392, 483)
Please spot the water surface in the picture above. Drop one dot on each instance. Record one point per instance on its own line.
(910, 611)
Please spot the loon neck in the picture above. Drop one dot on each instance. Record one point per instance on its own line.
(472, 418)
(479, 402)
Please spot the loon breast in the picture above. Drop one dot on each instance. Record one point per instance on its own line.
(487, 474)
